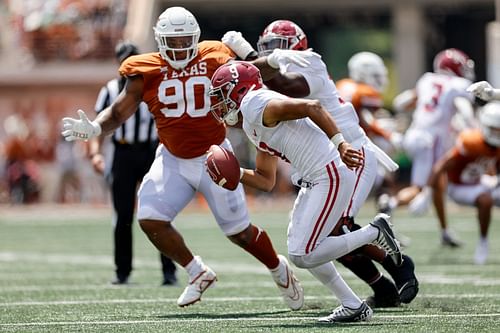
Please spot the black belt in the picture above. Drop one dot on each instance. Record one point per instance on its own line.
(305, 184)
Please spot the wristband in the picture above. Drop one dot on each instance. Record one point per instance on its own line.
(337, 139)
(242, 172)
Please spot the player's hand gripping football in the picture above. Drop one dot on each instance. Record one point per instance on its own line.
(80, 129)
(350, 156)
(223, 167)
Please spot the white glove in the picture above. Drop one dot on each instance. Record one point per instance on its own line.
(396, 140)
(489, 181)
(420, 204)
(482, 90)
(288, 57)
(80, 129)
(236, 42)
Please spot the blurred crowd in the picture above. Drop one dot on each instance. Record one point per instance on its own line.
(34, 169)
(67, 29)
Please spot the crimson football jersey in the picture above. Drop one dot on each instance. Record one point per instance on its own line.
(178, 98)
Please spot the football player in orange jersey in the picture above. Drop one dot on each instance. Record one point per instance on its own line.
(364, 87)
(468, 164)
(174, 83)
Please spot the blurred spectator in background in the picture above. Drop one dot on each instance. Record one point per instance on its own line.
(21, 171)
(134, 144)
(69, 29)
(69, 187)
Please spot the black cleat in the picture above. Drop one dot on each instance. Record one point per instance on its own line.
(386, 239)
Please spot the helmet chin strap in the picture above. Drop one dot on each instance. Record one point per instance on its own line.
(232, 118)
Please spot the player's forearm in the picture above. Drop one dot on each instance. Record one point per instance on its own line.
(109, 121)
(267, 72)
(321, 117)
(257, 180)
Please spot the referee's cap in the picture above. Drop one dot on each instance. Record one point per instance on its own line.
(125, 49)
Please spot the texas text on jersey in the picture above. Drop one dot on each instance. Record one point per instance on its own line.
(179, 100)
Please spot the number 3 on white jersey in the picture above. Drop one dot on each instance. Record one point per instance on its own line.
(181, 94)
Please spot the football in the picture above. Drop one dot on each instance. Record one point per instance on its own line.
(223, 167)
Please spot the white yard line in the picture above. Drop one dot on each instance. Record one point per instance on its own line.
(218, 299)
(225, 319)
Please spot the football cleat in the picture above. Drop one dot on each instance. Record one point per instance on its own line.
(289, 285)
(383, 204)
(192, 293)
(386, 239)
(343, 314)
(450, 241)
(406, 281)
(481, 253)
(386, 294)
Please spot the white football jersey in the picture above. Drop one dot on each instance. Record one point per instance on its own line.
(323, 88)
(299, 142)
(435, 101)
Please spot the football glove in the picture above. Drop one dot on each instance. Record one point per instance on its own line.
(236, 42)
(80, 129)
(482, 90)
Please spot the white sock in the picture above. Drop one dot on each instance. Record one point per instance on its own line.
(278, 273)
(194, 268)
(330, 277)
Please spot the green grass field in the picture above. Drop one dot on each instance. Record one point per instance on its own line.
(56, 264)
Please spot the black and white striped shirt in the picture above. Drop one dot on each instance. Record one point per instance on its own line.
(139, 128)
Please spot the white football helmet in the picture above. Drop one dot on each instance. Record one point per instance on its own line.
(489, 119)
(368, 68)
(177, 33)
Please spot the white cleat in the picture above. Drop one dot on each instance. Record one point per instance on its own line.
(343, 314)
(192, 293)
(289, 285)
(481, 254)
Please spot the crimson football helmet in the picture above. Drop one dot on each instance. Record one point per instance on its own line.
(230, 83)
(281, 34)
(454, 62)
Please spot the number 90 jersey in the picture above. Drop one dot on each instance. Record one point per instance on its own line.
(178, 99)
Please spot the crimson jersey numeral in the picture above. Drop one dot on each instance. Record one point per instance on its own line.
(181, 97)
(273, 152)
(438, 90)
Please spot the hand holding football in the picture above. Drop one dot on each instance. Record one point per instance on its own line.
(223, 167)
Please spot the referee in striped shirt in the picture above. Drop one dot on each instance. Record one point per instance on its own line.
(134, 146)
